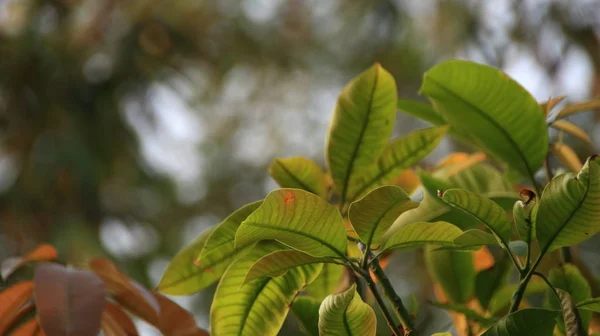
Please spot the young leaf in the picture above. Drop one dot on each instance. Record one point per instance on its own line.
(524, 215)
(28, 328)
(569, 210)
(569, 279)
(418, 234)
(573, 325)
(484, 209)
(345, 314)
(12, 300)
(574, 130)
(567, 157)
(525, 322)
(327, 282)
(489, 281)
(362, 124)
(399, 155)
(301, 173)
(43, 252)
(422, 111)
(203, 261)
(372, 215)
(472, 98)
(259, 307)
(278, 263)
(116, 322)
(306, 309)
(454, 271)
(297, 219)
(68, 302)
(174, 320)
(578, 107)
(548, 105)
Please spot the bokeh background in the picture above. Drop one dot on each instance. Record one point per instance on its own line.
(129, 127)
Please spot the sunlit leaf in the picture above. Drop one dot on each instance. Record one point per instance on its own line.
(203, 261)
(306, 310)
(258, 307)
(454, 271)
(418, 234)
(43, 252)
(569, 210)
(68, 301)
(345, 314)
(298, 219)
(328, 281)
(525, 322)
(372, 215)
(572, 129)
(567, 157)
(473, 99)
(569, 279)
(301, 173)
(475, 239)
(578, 107)
(362, 124)
(277, 263)
(524, 215)
(400, 154)
(12, 300)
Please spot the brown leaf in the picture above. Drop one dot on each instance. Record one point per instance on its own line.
(12, 301)
(116, 322)
(28, 328)
(126, 291)
(69, 302)
(43, 252)
(176, 321)
(567, 157)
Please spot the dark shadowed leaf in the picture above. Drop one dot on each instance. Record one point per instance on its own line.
(489, 281)
(306, 310)
(454, 271)
(43, 252)
(468, 312)
(568, 279)
(300, 173)
(525, 322)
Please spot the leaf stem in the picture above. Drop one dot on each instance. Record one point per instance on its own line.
(549, 284)
(524, 280)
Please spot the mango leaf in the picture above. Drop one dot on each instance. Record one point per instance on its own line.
(422, 111)
(399, 155)
(590, 304)
(489, 281)
(548, 105)
(524, 215)
(174, 320)
(203, 261)
(578, 107)
(484, 209)
(301, 173)
(43, 252)
(418, 234)
(372, 215)
(568, 279)
(278, 263)
(475, 239)
(500, 301)
(567, 157)
(68, 301)
(345, 314)
(362, 124)
(572, 129)
(298, 219)
(469, 313)
(328, 281)
(454, 271)
(258, 307)
(526, 322)
(569, 210)
(116, 322)
(442, 334)
(572, 322)
(12, 300)
(518, 248)
(485, 105)
(306, 310)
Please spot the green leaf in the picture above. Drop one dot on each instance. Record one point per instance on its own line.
(518, 248)
(569, 210)
(327, 282)
(524, 216)
(569, 279)
(277, 263)
(362, 124)
(485, 105)
(468, 312)
(484, 209)
(590, 304)
(526, 322)
(345, 314)
(306, 310)
(422, 111)
(372, 215)
(572, 321)
(418, 234)
(298, 219)
(489, 281)
(200, 264)
(258, 307)
(475, 239)
(301, 173)
(500, 302)
(399, 155)
(181, 276)
(454, 271)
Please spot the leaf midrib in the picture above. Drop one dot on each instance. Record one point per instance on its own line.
(380, 218)
(297, 180)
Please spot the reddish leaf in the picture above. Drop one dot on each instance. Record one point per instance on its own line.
(28, 328)
(12, 300)
(115, 322)
(69, 302)
(176, 321)
(43, 252)
(127, 292)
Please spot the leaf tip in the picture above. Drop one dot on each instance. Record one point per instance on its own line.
(527, 195)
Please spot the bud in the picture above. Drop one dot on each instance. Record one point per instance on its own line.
(524, 215)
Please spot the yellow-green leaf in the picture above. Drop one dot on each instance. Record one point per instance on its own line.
(301, 173)
(277, 263)
(422, 233)
(328, 281)
(362, 124)
(298, 219)
(569, 210)
(345, 314)
(306, 310)
(454, 271)
(574, 130)
(422, 111)
(590, 304)
(485, 105)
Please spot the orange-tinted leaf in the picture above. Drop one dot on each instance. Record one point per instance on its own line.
(69, 302)
(126, 291)
(43, 252)
(567, 157)
(115, 322)
(28, 328)
(12, 301)
(176, 321)
(483, 259)
(407, 180)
